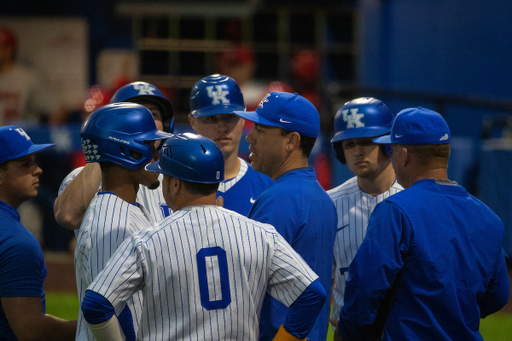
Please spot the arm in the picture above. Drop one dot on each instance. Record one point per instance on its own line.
(303, 313)
(101, 319)
(71, 204)
(28, 322)
(373, 273)
(498, 290)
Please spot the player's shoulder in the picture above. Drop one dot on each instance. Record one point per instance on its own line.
(70, 177)
(348, 188)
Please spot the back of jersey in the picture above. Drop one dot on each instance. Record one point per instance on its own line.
(206, 274)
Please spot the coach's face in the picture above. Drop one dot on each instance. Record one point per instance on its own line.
(364, 157)
(268, 149)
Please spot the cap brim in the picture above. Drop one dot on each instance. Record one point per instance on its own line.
(34, 149)
(254, 117)
(154, 167)
(383, 139)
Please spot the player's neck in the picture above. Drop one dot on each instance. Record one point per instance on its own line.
(193, 200)
(120, 185)
(231, 166)
(378, 184)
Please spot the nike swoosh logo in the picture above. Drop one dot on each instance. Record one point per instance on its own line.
(283, 121)
(252, 200)
(398, 136)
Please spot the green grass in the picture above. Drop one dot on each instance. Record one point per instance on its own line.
(497, 327)
(62, 305)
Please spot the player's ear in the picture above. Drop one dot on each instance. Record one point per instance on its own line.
(293, 141)
(406, 156)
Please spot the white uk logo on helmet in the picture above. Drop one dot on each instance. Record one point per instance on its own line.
(144, 89)
(354, 119)
(219, 95)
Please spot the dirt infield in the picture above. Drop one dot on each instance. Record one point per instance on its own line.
(61, 273)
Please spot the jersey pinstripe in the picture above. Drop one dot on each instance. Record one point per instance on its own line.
(108, 221)
(152, 200)
(354, 208)
(204, 272)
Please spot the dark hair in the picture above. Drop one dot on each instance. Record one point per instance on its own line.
(200, 188)
(430, 154)
(306, 142)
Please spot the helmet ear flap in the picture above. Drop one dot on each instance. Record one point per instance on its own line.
(340, 155)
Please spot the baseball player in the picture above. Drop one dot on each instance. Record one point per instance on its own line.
(356, 123)
(122, 138)
(80, 186)
(431, 264)
(204, 270)
(212, 102)
(285, 130)
(22, 267)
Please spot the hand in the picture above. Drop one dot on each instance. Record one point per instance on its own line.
(337, 336)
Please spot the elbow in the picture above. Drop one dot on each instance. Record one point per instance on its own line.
(64, 218)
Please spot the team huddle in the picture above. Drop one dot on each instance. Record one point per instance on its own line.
(178, 238)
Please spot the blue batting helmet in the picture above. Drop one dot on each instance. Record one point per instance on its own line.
(215, 94)
(116, 133)
(192, 158)
(142, 91)
(360, 117)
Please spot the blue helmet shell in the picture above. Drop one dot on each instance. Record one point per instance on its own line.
(113, 132)
(215, 94)
(362, 117)
(192, 158)
(144, 91)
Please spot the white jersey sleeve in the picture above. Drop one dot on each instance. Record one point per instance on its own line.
(354, 208)
(204, 272)
(108, 221)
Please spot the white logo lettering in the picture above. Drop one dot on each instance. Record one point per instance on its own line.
(252, 200)
(90, 150)
(444, 138)
(144, 88)
(219, 94)
(22, 133)
(354, 119)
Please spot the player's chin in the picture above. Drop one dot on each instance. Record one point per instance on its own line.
(154, 185)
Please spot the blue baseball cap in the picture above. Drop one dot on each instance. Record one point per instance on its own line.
(417, 126)
(291, 112)
(15, 143)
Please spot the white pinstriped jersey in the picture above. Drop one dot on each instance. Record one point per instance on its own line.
(354, 208)
(108, 221)
(204, 272)
(152, 200)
